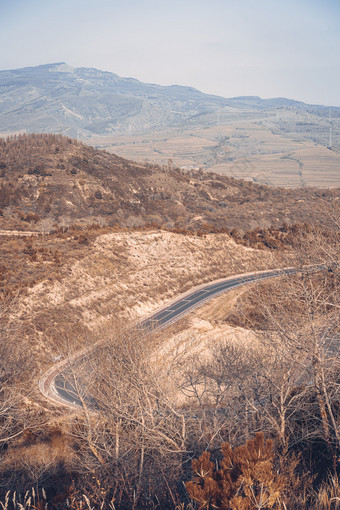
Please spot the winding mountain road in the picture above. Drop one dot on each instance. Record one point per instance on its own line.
(55, 386)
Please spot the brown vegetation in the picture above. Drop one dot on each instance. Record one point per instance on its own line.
(48, 179)
(135, 448)
(148, 414)
(247, 478)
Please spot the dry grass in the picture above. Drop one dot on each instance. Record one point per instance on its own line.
(328, 496)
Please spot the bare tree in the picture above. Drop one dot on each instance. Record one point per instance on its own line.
(130, 420)
(14, 368)
(287, 383)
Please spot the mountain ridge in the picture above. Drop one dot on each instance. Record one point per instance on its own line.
(51, 179)
(82, 102)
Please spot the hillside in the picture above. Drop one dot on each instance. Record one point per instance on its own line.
(69, 290)
(81, 102)
(49, 179)
(79, 285)
(275, 141)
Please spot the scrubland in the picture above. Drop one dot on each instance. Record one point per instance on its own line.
(236, 406)
(49, 180)
(259, 359)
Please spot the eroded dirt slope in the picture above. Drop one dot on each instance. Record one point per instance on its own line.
(119, 278)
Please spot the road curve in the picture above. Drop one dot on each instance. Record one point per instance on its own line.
(55, 387)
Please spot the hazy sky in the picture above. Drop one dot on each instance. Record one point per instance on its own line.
(268, 48)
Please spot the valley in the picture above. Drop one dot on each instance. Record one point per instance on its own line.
(257, 150)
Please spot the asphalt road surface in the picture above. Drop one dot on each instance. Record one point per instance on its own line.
(181, 307)
(62, 381)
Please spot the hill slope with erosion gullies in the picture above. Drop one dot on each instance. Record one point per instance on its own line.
(51, 179)
(278, 141)
(62, 286)
(82, 101)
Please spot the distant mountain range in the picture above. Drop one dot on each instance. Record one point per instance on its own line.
(83, 102)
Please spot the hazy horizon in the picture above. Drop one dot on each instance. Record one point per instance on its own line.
(264, 48)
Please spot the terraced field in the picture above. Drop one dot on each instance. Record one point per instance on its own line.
(250, 149)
